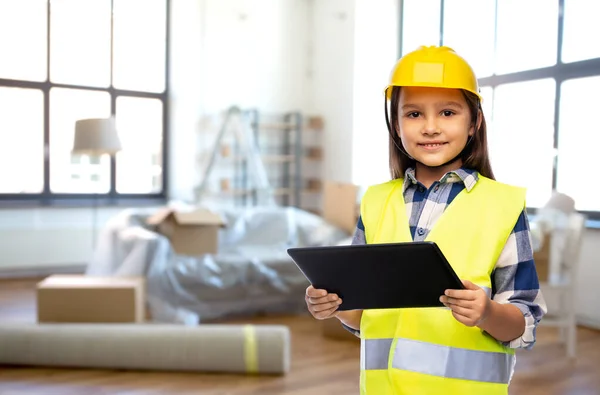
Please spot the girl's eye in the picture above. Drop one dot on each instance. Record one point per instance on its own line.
(413, 114)
(448, 113)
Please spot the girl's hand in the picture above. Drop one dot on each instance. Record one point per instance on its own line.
(469, 306)
(321, 304)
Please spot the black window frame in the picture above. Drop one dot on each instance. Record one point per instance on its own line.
(560, 72)
(112, 197)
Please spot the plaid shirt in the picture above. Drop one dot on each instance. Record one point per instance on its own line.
(514, 279)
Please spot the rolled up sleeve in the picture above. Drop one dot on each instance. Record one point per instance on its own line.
(515, 281)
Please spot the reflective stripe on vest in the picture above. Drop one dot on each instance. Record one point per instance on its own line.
(436, 360)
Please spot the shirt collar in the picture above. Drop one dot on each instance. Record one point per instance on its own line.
(468, 177)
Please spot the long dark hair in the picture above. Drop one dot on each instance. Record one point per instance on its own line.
(475, 155)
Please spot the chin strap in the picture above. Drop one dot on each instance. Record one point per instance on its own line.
(393, 135)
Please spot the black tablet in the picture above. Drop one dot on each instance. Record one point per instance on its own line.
(379, 276)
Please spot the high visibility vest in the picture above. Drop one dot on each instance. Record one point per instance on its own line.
(426, 350)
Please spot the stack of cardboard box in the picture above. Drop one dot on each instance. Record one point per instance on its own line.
(191, 232)
(87, 299)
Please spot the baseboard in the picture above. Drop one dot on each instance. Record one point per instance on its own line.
(588, 321)
(42, 271)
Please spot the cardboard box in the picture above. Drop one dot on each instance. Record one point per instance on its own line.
(341, 205)
(314, 153)
(332, 328)
(314, 184)
(79, 298)
(191, 233)
(315, 123)
(541, 258)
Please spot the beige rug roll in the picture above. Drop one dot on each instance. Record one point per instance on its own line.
(204, 348)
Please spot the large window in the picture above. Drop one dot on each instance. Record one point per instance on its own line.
(64, 60)
(538, 70)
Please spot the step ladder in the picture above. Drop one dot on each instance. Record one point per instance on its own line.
(238, 124)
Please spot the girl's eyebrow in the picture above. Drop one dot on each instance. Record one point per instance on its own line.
(453, 103)
(407, 106)
(443, 104)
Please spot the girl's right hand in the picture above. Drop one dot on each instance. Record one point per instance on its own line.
(321, 304)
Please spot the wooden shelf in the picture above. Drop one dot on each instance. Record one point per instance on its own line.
(265, 158)
(313, 153)
(234, 192)
(283, 152)
(314, 184)
(276, 126)
(278, 158)
(315, 211)
(283, 127)
(282, 191)
(311, 190)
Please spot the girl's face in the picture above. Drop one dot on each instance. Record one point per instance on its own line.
(434, 124)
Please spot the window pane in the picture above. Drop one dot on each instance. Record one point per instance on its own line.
(459, 27)
(80, 42)
(139, 164)
(580, 24)
(21, 140)
(578, 143)
(522, 140)
(81, 174)
(420, 24)
(140, 45)
(23, 39)
(526, 35)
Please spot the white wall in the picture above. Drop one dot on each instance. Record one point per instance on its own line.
(375, 54)
(39, 237)
(332, 59)
(354, 47)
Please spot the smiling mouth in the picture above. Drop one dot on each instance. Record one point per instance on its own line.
(431, 145)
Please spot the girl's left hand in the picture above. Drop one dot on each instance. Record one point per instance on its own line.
(469, 306)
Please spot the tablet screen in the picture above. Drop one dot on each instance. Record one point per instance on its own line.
(379, 276)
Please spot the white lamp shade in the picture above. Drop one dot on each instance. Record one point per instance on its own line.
(96, 137)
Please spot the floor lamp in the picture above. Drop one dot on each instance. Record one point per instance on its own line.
(96, 137)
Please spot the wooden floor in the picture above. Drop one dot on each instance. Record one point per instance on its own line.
(319, 365)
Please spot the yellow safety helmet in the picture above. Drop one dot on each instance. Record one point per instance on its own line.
(436, 67)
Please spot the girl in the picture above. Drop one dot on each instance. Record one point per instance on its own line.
(443, 190)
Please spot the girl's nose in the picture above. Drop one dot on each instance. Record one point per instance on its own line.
(431, 126)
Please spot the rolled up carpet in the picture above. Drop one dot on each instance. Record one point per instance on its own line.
(205, 348)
